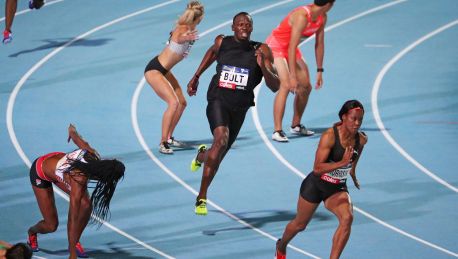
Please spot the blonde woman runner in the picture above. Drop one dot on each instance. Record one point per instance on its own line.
(162, 80)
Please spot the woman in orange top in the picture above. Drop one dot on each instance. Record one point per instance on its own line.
(299, 24)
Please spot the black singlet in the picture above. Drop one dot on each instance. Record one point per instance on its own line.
(337, 151)
(315, 188)
(237, 74)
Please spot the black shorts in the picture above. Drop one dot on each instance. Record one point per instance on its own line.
(219, 114)
(155, 65)
(35, 180)
(315, 190)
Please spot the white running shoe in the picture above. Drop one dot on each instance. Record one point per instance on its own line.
(175, 143)
(164, 148)
(301, 130)
(279, 136)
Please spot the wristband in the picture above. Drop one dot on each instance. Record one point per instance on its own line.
(319, 70)
(197, 76)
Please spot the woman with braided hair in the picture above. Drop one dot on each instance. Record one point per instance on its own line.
(71, 172)
(162, 80)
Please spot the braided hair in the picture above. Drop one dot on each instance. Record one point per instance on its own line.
(107, 173)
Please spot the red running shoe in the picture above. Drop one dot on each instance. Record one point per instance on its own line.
(33, 242)
(7, 37)
(278, 254)
(80, 251)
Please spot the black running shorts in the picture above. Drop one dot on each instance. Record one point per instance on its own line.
(35, 180)
(315, 190)
(219, 114)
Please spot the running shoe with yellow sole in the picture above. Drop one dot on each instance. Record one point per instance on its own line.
(195, 164)
(201, 207)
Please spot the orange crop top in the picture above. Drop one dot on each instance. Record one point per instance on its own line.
(283, 31)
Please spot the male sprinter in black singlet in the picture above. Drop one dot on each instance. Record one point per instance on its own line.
(241, 65)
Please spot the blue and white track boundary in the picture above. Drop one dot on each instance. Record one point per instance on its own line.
(279, 156)
(376, 111)
(147, 149)
(14, 93)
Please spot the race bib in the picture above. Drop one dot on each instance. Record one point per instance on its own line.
(338, 175)
(234, 78)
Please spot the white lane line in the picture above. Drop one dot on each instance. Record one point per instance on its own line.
(254, 110)
(280, 157)
(285, 162)
(370, 11)
(28, 10)
(147, 149)
(376, 113)
(14, 93)
(229, 22)
(405, 233)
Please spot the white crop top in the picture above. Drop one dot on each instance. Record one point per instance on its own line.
(181, 49)
(64, 164)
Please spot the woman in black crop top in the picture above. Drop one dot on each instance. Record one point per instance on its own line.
(336, 157)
